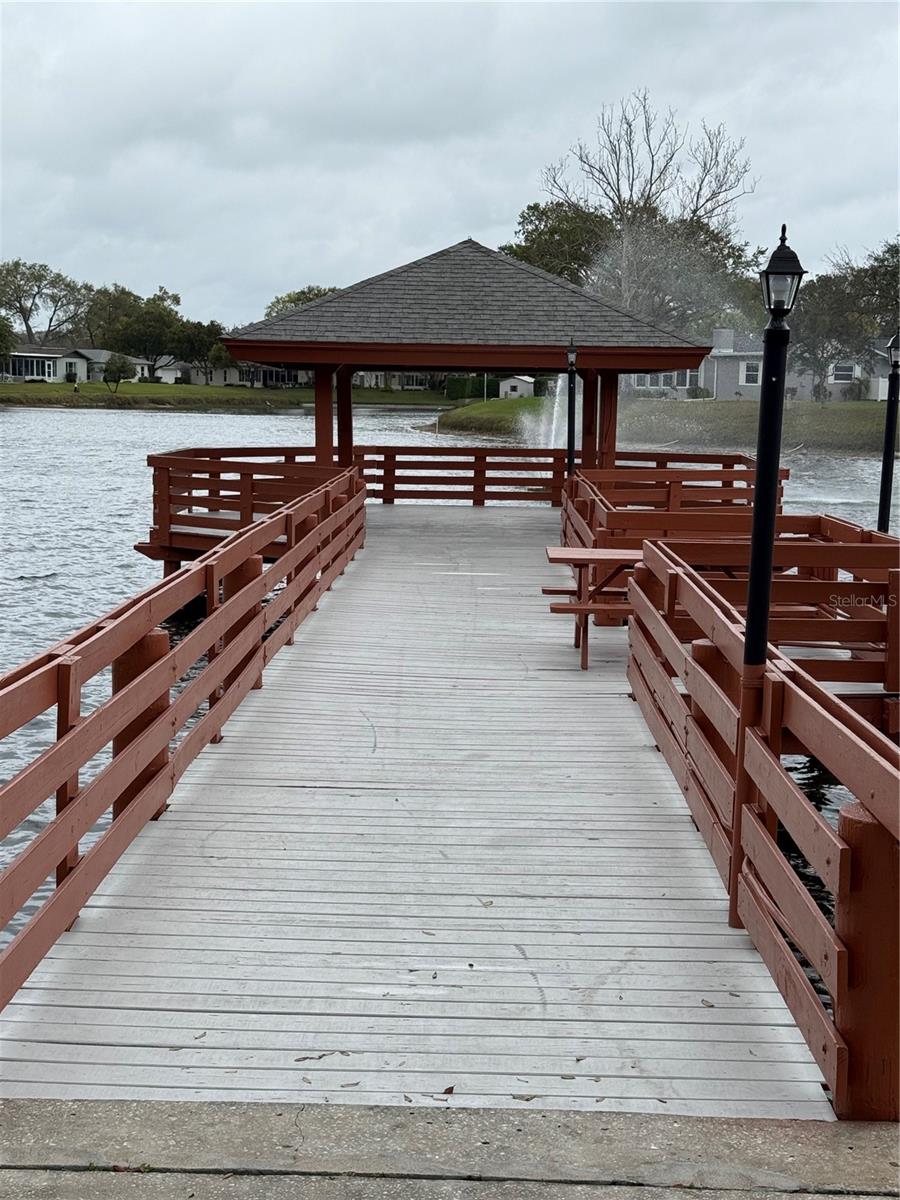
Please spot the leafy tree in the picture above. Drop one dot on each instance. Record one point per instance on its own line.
(152, 330)
(38, 296)
(561, 238)
(874, 285)
(107, 308)
(196, 343)
(118, 368)
(827, 326)
(7, 340)
(283, 304)
(219, 358)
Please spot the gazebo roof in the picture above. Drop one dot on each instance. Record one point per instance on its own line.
(464, 307)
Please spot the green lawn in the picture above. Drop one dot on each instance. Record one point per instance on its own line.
(840, 426)
(194, 397)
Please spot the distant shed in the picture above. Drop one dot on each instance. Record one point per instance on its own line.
(517, 385)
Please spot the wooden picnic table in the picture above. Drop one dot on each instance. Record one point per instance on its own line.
(583, 560)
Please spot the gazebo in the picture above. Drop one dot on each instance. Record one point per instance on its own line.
(465, 308)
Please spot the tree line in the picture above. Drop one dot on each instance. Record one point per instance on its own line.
(645, 217)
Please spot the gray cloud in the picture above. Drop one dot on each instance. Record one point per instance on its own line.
(232, 151)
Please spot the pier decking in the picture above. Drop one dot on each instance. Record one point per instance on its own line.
(431, 863)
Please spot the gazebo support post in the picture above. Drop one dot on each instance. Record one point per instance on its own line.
(609, 415)
(589, 394)
(325, 416)
(344, 392)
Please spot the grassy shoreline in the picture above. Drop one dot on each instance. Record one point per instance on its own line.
(838, 426)
(196, 398)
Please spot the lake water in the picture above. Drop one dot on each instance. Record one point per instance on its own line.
(76, 496)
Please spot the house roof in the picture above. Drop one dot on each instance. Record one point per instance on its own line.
(32, 351)
(523, 378)
(468, 298)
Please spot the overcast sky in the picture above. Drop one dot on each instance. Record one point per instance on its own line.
(235, 151)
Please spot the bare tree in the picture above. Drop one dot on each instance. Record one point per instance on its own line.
(645, 164)
(671, 256)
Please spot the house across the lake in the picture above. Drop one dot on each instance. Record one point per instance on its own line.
(84, 364)
(733, 370)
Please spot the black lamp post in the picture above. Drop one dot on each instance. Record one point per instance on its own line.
(570, 422)
(780, 283)
(890, 436)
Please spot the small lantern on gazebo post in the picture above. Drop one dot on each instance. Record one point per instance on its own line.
(571, 354)
(890, 436)
(780, 283)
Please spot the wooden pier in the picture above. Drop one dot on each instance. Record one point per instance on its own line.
(366, 832)
(431, 862)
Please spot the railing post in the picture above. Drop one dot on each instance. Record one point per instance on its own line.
(68, 714)
(246, 498)
(557, 477)
(162, 505)
(479, 478)
(250, 569)
(866, 921)
(388, 477)
(127, 667)
(892, 640)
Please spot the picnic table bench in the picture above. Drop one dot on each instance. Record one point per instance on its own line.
(585, 603)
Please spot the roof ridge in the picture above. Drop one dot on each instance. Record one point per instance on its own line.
(358, 286)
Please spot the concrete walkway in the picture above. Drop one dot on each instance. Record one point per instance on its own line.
(56, 1150)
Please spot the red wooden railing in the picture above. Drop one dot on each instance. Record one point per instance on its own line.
(835, 607)
(252, 610)
(649, 496)
(200, 494)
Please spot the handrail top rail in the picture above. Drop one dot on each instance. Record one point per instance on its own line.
(80, 638)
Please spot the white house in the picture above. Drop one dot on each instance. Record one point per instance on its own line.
(517, 385)
(248, 375)
(48, 364)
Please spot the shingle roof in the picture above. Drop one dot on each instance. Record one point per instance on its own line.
(35, 351)
(464, 295)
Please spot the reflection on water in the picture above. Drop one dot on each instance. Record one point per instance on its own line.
(76, 497)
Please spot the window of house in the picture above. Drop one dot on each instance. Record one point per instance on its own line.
(687, 379)
(843, 372)
(513, 388)
(750, 372)
(71, 368)
(668, 379)
(640, 381)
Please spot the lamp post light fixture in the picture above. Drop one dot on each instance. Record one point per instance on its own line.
(890, 436)
(570, 421)
(780, 284)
